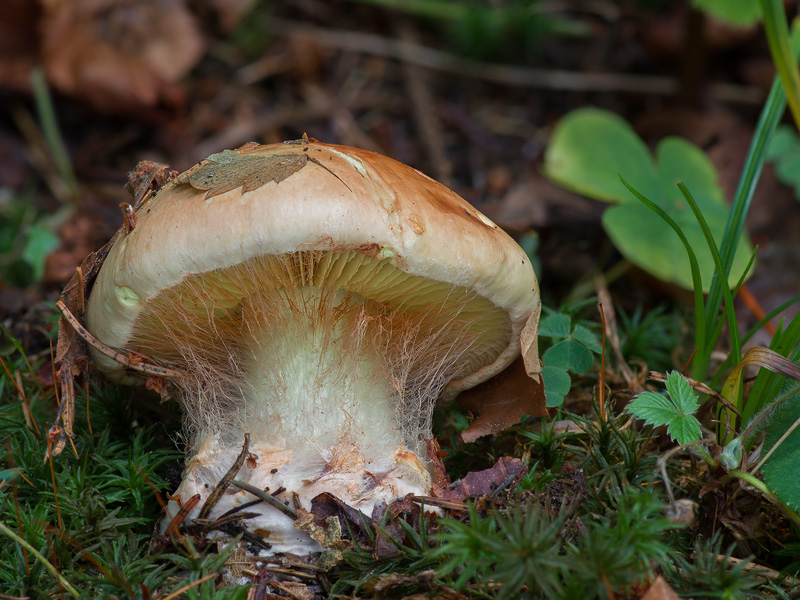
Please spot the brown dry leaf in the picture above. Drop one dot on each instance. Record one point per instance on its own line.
(19, 53)
(435, 453)
(484, 483)
(71, 360)
(230, 169)
(119, 54)
(79, 236)
(660, 590)
(326, 506)
(529, 346)
(502, 401)
(388, 586)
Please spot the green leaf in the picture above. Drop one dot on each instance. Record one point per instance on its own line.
(556, 385)
(780, 469)
(676, 412)
(580, 157)
(570, 356)
(556, 326)
(784, 152)
(783, 141)
(684, 429)
(587, 150)
(40, 242)
(682, 394)
(653, 408)
(587, 338)
(743, 13)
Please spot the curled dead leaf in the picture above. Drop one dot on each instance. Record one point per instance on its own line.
(502, 401)
(529, 345)
(486, 482)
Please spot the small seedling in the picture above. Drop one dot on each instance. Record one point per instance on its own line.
(676, 412)
(571, 353)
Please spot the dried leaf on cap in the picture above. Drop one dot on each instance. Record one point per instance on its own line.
(229, 170)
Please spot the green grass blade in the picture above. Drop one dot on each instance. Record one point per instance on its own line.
(50, 568)
(770, 116)
(697, 281)
(779, 46)
(52, 134)
(767, 383)
(730, 311)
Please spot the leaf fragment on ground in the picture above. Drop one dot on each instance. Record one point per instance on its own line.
(486, 482)
(120, 55)
(660, 590)
(502, 401)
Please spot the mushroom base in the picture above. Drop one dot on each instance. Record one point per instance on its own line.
(297, 482)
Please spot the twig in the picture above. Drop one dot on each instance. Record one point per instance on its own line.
(504, 74)
(601, 395)
(189, 586)
(174, 525)
(428, 125)
(110, 352)
(781, 439)
(662, 464)
(760, 571)
(269, 499)
(223, 484)
(441, 503)
(611, 333)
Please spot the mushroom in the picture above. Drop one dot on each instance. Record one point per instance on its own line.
(321, 299)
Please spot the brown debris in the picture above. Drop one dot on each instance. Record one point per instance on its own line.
(487, 482)
(353, 522)
(120, 54)
(71, 360)
(435, 453)
(660, 590)
(502, 401)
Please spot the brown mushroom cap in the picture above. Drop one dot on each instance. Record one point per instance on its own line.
(306, 196)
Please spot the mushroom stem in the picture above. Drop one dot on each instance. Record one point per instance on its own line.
(332, 394)
(319, 384)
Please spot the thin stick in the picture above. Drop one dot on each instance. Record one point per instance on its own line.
(223, 484)
(189, 586)
(88, 418)
(55, 490)
(269, 499)
(502, 74)
(81, 293)
(177, 520)
(110, 352)
(47, 565)
(602, 391)
(17, 384)
(664, 458)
